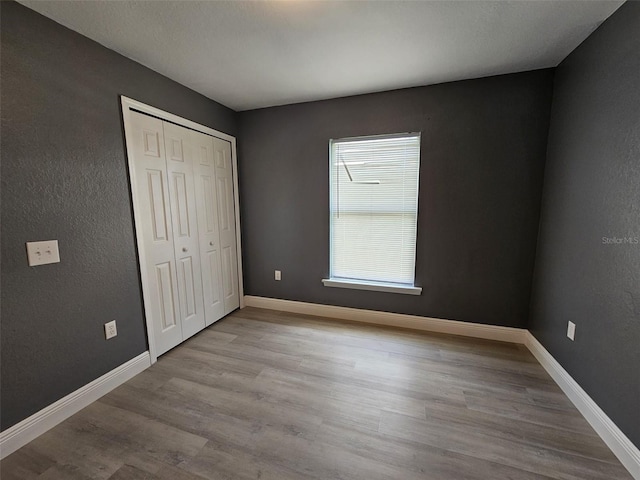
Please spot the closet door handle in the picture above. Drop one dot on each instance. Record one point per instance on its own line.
(184, 249)
(211, 243)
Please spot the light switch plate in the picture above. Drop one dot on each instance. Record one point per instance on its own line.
(278, 275)
(41, 253)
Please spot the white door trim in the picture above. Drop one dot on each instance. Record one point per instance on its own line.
(127, 105)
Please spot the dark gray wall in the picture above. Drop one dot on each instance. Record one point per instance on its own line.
(592, 190)
(482, 161)
(64, 176)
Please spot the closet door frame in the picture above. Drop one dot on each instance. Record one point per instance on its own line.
(129, 104)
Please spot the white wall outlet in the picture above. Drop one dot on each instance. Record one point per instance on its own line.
(110, 329)
(41, 253)
(278, 275)
(571, 330)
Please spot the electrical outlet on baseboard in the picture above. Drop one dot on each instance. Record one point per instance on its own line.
(110, 329)
(571, 330)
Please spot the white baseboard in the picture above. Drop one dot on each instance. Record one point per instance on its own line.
(22, 433)
(453, 327)
(620, 445)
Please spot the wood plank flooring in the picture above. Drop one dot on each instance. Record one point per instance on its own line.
(277, 396)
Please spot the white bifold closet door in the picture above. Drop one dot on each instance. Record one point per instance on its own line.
(184, 198)
(208, 226)
(224, 189)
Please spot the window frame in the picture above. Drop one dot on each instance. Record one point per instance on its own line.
(358, 284)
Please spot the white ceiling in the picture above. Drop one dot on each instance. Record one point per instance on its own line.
(252, 54)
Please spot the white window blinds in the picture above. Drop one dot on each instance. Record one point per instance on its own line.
(374, 208)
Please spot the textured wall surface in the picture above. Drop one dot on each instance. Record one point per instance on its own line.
(482, 161)
(586, 271)
(64, 176)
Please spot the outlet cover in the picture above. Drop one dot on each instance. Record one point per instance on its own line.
(571, 330)
(110, 329)
(278, 275)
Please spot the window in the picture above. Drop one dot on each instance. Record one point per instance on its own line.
(374, 212)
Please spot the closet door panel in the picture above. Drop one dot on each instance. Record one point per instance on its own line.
(227, 225)
(207, 210)
(166, 297)
(157, 260)
(185, 227)
(227, 262)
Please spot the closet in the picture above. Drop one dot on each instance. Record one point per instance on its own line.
(182, 189)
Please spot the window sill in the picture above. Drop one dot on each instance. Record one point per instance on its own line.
(373, 286)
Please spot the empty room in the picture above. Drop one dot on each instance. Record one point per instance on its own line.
(309, 240)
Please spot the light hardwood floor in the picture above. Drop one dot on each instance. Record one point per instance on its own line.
(270, 395)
